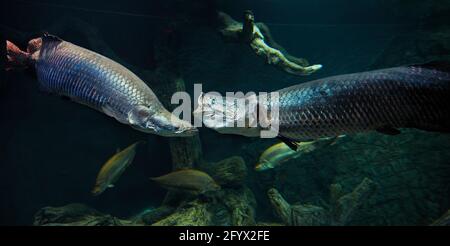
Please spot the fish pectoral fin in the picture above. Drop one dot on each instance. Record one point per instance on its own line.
(388, 130)
(289, 142)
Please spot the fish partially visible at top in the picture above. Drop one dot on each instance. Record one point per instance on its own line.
(113, 168)
(94, 80)
(188, 180)
(280, 153)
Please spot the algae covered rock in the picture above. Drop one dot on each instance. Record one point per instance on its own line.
(154, 215)
(339, 212)
(241, 204)
(75, 215)
(297, 215)
(196, 213)
(229, 172)
(344, 206)
(228, 207)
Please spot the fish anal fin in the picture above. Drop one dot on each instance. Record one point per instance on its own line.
(388, 130)
(289, 142)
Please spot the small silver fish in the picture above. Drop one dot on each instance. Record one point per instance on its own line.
(280, 153)
(113, 168)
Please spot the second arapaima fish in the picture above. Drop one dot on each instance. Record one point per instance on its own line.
(94, 80)
(413, 96)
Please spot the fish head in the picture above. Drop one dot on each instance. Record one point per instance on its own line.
(228, 115)
(215, 186)
(263, 165)
(160, 122)
(98, 189)
(212, 186)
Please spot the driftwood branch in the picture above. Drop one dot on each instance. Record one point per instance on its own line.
(259, 38)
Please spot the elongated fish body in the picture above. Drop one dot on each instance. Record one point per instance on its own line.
(91, 79)
(414, 96)
(275, 155)
(94, 80)
(188, 180)
(280, 153)
(113, 168)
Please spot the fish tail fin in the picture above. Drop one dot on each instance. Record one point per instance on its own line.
(440, 95)
(16, 58)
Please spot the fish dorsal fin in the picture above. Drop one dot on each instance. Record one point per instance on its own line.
(46, 37)
(388, 130)
(289, 142)
(117, 150)
(443, 66)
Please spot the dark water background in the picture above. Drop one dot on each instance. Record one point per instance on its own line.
(51, 149)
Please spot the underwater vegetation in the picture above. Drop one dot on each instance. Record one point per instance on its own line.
(208, 178)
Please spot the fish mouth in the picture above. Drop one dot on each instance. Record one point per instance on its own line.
(167, 125)
(259, 167)
(190, 132)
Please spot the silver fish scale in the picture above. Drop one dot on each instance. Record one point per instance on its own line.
(90, 78)
(398, 97)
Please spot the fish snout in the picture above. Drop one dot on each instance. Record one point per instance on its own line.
(263, 165)
(168, 125)
(259, 167)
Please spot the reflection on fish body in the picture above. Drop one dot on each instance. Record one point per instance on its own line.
(188, 180)
(414, 96)
(113, 168)
(91, 79)
(280, 153)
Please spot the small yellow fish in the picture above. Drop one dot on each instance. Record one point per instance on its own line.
(279, 153)
(188, 180)
(113, 168)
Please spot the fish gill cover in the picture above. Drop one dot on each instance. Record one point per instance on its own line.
(53, 149)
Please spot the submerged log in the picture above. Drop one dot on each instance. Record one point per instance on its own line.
(345, 206)
(229, 207)
(339, 213)
(259, 38)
